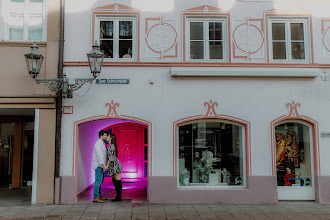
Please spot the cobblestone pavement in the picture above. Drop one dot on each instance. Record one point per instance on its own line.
(127, 210)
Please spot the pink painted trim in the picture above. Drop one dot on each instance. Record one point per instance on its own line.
(202, 8)
(116, 7)
(290, 15)
(211, 114)
(174, 44)
(218, 12)
(294, 115)
(324, 32)
(248, 52)
(106, 12)
(199, 64)
(102, 117)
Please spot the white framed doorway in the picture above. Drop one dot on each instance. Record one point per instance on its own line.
(294, 160)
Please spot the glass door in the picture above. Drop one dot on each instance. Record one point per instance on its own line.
(294, 162)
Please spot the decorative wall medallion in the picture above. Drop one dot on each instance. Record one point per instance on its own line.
(112, 109)
(161, 38)
(326, 37)
(211, 109)
(248, 39)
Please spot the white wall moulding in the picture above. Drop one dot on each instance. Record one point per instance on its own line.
(243, 72)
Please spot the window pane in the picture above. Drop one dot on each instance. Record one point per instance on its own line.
(16, 20)
(279, 50)
(35, 21)
(35, 34)
(125, 48)
(36, 6)
(297, 31)
(196, 31)
(106, 46)
(17, 7)
(146, 136)
(293, 155)
(15, 33)
(125, 29)
(210, 154)
(106, 29)
(216, 50)
(278, 31)
(215, 31)
(196, 50)
(298, 51)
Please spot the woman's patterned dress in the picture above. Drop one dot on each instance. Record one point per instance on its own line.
(114, 166)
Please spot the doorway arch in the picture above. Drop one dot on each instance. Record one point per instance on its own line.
(295, 117)
(100, 123)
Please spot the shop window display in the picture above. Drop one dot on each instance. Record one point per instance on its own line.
(293, 155)
(211, 154)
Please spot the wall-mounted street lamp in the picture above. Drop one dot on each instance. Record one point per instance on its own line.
(34, 61)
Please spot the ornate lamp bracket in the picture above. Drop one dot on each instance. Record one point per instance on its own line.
(63, 84)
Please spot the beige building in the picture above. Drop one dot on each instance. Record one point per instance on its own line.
(28, 109)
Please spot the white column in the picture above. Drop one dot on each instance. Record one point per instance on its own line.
(35, 157)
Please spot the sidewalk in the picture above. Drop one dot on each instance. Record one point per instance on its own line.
(126, 210)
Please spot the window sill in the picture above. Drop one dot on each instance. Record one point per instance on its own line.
(244, 72)
(21, 43)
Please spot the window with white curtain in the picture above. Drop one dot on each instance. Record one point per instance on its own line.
(24, 20)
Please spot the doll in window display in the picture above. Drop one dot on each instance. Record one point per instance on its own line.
(287, 146)
(287, 156)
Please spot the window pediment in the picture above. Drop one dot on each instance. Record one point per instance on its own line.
(116, 7)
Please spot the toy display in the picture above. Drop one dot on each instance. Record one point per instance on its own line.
(290, 155)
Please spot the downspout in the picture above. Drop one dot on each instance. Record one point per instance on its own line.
(59, 107)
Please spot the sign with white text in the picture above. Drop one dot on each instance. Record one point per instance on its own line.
(112, 81)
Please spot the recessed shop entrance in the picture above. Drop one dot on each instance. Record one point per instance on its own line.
(294, 161)
(16, 155)
(133, 153)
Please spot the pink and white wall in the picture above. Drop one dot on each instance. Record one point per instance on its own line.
(165, 88)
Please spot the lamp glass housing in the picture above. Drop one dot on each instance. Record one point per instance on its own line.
(34, 61)
(95, 59)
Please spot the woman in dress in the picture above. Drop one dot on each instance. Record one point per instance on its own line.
(114, 166)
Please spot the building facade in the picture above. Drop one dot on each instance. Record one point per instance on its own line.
(28, 110)
(220, 101)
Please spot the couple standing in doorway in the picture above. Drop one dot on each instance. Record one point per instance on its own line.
(106, 160)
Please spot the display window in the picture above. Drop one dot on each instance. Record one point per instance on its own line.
(211, 153)
(293, 155)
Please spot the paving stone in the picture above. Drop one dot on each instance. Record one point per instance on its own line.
(192, 218)
(156, 214)
(123, 218)
(208, 217)
(108, 217)
(140, 217)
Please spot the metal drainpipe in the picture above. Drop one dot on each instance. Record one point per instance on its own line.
(59, 95)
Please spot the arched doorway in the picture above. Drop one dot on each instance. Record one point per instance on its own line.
(295, 160)
(133, 152)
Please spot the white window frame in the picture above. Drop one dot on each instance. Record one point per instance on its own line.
(116, 20)
(207, 186)
(307, 39)
(6, 16)
(206, 20)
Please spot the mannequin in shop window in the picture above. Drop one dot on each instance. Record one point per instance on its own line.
(114, 166)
